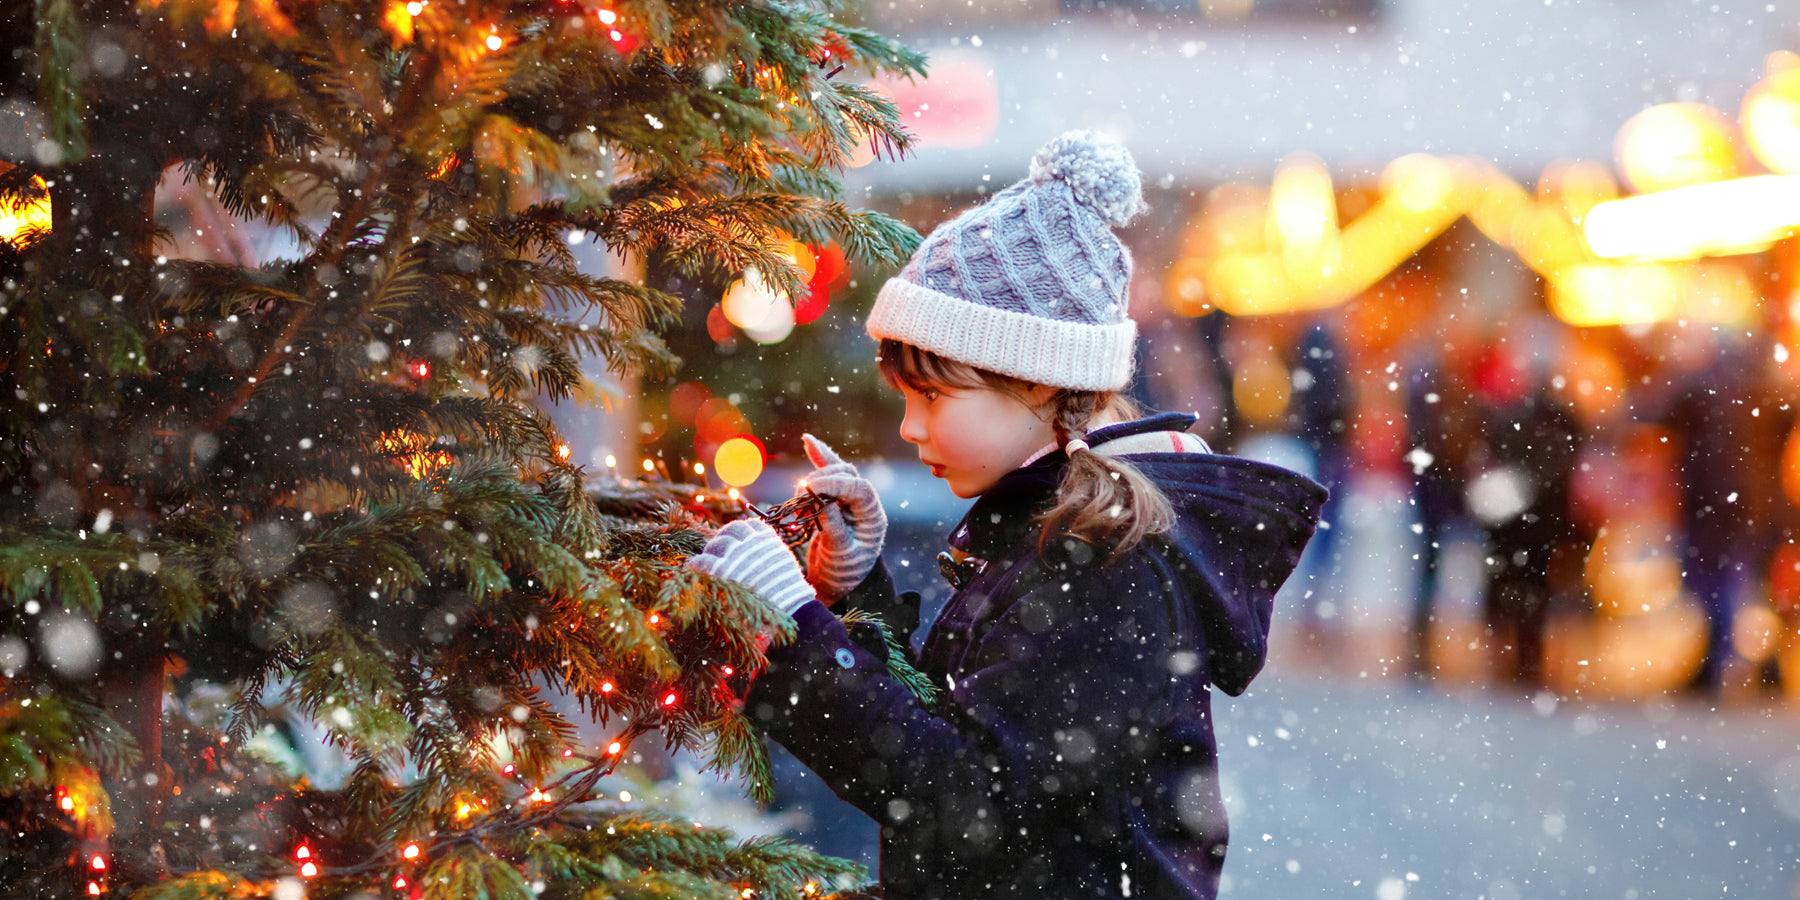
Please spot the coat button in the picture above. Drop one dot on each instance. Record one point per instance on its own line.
(845, 658)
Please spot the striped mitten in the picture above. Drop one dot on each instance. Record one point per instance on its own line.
(852, 528)
(750, 553)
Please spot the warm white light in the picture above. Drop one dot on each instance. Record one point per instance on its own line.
(414, 8)
(1302, 208)
(608, 16)
(1676, 145)
(1701, 220)
(494, 42)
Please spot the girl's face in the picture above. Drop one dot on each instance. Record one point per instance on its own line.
(972, 436)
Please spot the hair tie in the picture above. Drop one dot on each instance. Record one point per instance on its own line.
(1074, 445)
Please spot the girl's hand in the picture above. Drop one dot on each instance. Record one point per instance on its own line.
(750, 553)
(851, 529)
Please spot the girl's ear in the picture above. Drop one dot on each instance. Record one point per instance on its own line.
(1040, 397)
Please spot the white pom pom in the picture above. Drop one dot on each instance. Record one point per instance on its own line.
(1097, 169)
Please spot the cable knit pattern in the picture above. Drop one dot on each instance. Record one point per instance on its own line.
(1033, 283)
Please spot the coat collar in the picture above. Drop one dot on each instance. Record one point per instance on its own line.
(1002, 515)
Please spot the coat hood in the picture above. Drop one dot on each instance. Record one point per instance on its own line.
(1240, 527)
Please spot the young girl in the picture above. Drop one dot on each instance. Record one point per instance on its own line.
(1109, 572)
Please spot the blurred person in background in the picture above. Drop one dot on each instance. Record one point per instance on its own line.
(1521, 494)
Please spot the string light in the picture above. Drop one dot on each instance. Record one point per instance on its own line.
(654, 618)
(729, 670)
(414, 8)
(608, 16)
(648, 465)
(606, 687)
(613, 748)
(494, 42)
(411, 851)
(93, 889)
(563, 451)
(669, 699)
(98, 862)
(399, 882)
(612, 462)
(421, 369)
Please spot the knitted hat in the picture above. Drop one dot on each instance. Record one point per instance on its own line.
(1033, 282)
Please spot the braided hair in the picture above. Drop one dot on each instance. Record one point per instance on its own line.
(1102, 500)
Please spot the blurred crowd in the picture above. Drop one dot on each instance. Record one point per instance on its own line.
(1624, 488)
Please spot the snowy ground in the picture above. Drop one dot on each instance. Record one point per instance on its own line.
(1344, 789)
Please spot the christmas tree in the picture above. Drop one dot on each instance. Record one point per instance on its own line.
(322, 483)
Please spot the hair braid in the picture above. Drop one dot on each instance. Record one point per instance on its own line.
(1101, 500)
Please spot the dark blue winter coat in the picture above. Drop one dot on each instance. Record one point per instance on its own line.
(1074, 755)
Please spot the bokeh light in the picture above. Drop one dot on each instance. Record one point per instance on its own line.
(1770, 115)
(739, 461)
(1675, 145)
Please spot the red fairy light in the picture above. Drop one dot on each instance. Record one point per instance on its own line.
(508, 770)
(98, 862)
(399, 882)
(729, 670)
(93, 889)
(567, 753)
(421, 369)
(302, 852)
(669, 699)
(308, 870)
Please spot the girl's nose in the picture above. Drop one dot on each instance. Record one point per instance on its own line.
(912, 426)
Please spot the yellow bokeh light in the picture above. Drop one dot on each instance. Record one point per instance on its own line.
(1770, 118)
(1302, 208)
(17, 222)
(1675, 145)
(739, 461)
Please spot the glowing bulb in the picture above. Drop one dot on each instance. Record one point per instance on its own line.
(669, 699)
(654, 618)
(98, 862)
(729, 670)
(421, 369)
(563, 451)
(616, 35)
(567, 753)
(68, 803)
(93, 889)
(611, 461)
(649, 466)
(302, 852)
(399, 882)
(606, 687)
(508, 770)
(494, 42)
(613, 748)
(608, 16)
(699, 468)
(308, 870)
(414, 8)
(410, 852)
(733, 493)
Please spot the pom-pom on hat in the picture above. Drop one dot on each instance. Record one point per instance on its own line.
(1033, 282)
